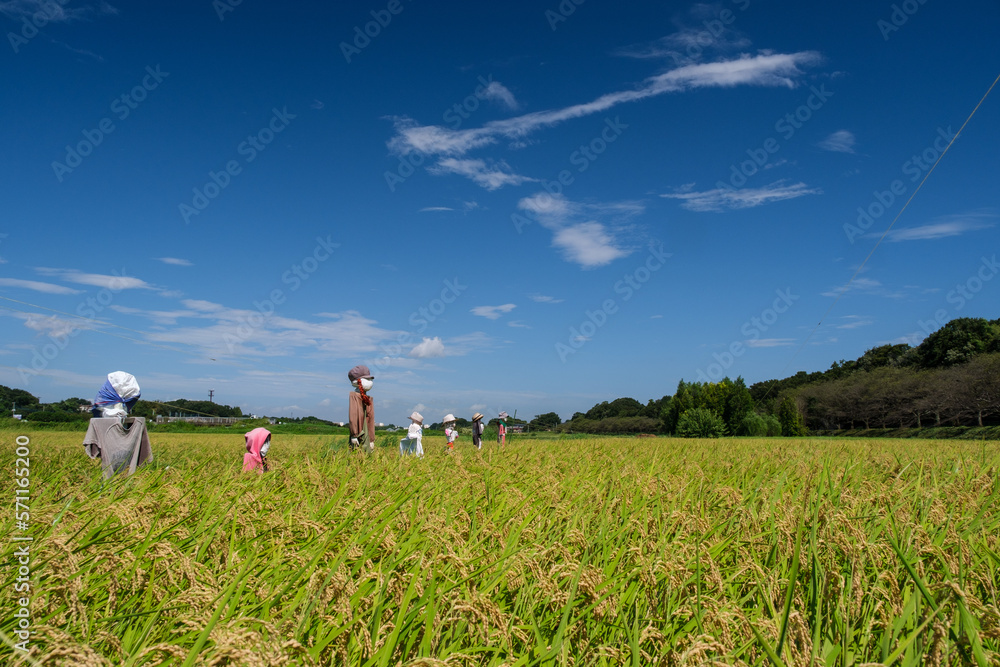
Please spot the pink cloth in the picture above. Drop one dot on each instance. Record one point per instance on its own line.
(256, 438)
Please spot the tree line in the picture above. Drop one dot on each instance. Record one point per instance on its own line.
(951, 379)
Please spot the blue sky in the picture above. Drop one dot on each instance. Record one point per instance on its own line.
(526, 206)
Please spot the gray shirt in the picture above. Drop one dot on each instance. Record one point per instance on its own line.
(118, 443)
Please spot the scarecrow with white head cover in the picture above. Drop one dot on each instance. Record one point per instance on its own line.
(450, 431)
(360, 410)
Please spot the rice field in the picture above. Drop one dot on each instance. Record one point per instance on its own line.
(603, 551)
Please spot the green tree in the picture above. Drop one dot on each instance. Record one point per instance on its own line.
(789, 417)
(546, 422)
(958, 341)
(700, 423)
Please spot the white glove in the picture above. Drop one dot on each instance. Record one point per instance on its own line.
(354, 442)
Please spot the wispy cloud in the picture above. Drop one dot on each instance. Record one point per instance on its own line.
(518, 324)
(693, 40)
(492, 175)
(855, 321)
(841, 141)
(771, 342)
(576, 230)
(428, 348)
(721, 199)
(435, 209)
(47, 288)
(112, 282)
(217, 330)
(541, 298)
(763, 69)
(866, 286)
(954, 225)
(493, 312)
(497, 92)
(174, 261)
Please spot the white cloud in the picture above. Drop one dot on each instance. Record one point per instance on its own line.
(841, 141)
(114, 282)
(720, 199)
(497, 92)
(764, 69)
(47, 288)
(576, 233)
(175, 261)
(434, 209)
(491, 176)
(771, 342)
(854, 322)
(428, 348)
(541, 298)
(588, 244)
(865, 285)
(54, 12)
(493, 312)
(518, 324)
(955, 225)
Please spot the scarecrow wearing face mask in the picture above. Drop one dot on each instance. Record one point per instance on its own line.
(360, 411)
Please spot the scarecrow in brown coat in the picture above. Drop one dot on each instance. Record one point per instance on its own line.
(360, 411)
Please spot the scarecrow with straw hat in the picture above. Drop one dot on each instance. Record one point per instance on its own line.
(360, 411)
(502, 428)
(477, 430)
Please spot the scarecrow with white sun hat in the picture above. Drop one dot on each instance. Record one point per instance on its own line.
(450, 431)
(412, 443)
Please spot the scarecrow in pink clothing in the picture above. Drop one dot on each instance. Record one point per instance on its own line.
(258, 444)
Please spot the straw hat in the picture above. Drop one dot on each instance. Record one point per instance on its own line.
(449, 418)
(417, 417)
(478, 415)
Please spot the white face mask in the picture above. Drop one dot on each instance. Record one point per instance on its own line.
(266, 446)
(366, 384)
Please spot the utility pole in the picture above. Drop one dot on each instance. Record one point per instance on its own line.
(211, 393)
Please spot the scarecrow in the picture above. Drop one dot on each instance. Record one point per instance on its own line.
(502, 428)
(258, 443)
(450, 431)
(411, 444)
(477, 430)
(360, 411)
